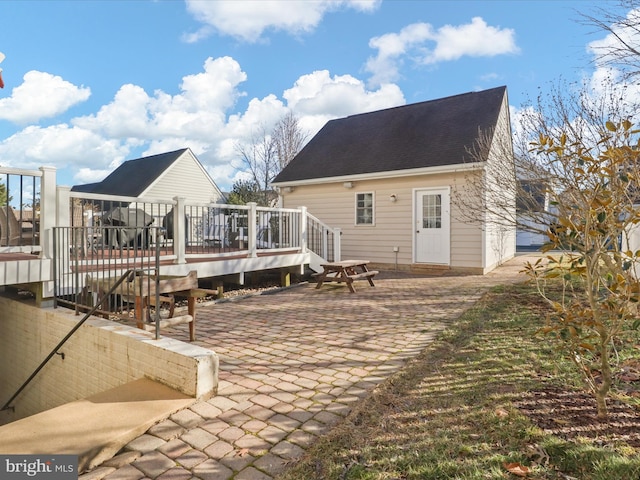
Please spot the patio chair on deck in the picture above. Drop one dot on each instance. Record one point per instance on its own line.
(11, 232)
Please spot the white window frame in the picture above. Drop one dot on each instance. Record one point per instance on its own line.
(373, 209)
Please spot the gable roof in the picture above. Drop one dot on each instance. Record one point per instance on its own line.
(134, 176)
(426, 134)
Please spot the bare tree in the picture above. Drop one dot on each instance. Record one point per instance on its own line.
(288, 139)
(259, 156)
(269, 152)
(575, 174)
(577, 181)
(621, 21)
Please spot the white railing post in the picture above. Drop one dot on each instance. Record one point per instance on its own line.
(63, 203)
(63, 216)
(324, 234)
(336, 244)
(179, 230)
(303, 229)
(252, 230)
(48, 207)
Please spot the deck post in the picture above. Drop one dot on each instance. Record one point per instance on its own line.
(62, 218)
(47, 211)
(252, 234)
(179, 230)
(285, 277)
(337, 254)
(303, 229)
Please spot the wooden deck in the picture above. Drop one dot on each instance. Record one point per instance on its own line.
(38, 273)
(12, 257)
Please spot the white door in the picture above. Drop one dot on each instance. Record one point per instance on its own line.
(432, 226)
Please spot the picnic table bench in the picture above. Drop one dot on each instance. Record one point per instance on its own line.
(346, 271)
(143, 292)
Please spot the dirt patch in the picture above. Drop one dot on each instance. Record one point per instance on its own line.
(571, 415)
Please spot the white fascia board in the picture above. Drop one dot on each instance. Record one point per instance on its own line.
(411, 172)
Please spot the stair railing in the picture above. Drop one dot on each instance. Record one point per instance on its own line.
(129, 275)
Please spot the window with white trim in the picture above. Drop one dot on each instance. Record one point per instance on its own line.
(364, 208)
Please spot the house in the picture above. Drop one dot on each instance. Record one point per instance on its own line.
(162, 176)
(388, 180)
(534, 213)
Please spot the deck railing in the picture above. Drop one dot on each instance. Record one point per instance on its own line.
(22, 197)
(323, 240)
(84, 274)
(107, 235)
(222, 229)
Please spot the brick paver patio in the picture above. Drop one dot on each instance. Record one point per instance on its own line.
(292, 365)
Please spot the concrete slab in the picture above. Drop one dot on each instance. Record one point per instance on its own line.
(96, 427)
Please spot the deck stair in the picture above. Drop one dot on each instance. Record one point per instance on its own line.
(94, 428)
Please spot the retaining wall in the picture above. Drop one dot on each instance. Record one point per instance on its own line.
(99, 356)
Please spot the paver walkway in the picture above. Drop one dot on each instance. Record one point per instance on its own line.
(292, 365)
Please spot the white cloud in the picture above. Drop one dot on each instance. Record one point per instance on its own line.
(41, 95)
(422, 44)
(248, 20)
(475, 39)
(199, 109)
(260, 114)
(200, 116)
(62, 146)
(392, 47)
(317, 97)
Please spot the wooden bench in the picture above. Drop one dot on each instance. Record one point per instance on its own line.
(369, 274)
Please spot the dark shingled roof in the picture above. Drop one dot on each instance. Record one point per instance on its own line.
(425, 134)
(132, 177)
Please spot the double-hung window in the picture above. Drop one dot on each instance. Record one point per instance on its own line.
(364, 208)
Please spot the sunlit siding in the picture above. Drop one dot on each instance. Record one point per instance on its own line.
(335, 205)
(185, 178)
(500, 242)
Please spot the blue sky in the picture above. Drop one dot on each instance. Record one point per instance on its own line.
(90, 84)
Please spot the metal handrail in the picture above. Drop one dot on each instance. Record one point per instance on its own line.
(129, 275)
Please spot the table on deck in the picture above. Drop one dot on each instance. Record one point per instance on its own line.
(346, 271)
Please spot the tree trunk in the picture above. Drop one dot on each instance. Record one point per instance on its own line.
(602, 391)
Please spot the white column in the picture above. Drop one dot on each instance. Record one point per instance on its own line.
(337, 253)
(252, 230)
(303, 229)
(62, 205)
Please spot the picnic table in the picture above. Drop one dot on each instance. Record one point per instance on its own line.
(142, 290)
(346, 271)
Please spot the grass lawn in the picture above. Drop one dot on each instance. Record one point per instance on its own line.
(490, 399)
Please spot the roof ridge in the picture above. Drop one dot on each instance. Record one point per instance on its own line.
(422, 102)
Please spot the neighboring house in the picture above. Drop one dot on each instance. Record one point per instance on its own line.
(162, 176)
(534, 213)
(386, 178)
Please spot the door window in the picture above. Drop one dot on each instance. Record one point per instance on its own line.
(432, 211)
